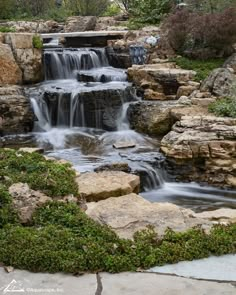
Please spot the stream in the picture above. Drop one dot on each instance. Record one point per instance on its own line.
(81, 111)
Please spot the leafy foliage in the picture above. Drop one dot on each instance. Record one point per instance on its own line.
(7, 30)
(202, 35)
(64, 239)
(37, 42)
(224, 107)
(52, 178)
(201, 67)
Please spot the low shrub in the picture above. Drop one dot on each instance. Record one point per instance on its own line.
(50, 177)
(64, 239)
(201, 67)
(225, 107)
(7, 30)
(202, 35)
(37, 42)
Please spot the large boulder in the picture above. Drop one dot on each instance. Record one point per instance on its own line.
(28, 58)
(153, 118)
(207, 141)
(131, 213)
(99, 186)
(220, 82)
(159, 81)
(80, 24)
(16, 115)
(10, 71)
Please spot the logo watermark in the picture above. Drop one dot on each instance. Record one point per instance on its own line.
(18, 287)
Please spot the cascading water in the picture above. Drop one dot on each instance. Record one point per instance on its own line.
(81, 111)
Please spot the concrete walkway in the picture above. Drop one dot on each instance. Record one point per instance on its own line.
(221, 268)
(23, 282)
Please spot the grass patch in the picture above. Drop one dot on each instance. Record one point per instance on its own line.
(225, 107)
(201, 67)
(52, 178)
(64, 239)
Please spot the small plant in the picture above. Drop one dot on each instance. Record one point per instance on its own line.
(112, 10)
(225, 107)
(37, 42)
(201, 67)
(7, 30)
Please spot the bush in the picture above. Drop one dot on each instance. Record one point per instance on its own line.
(112, 10)
(52, 178)
(225, 107)
(37, 42)
(149, 11)
(64, 239)
(203, 36)
(201, 67)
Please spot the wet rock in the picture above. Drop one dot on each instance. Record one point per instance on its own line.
(80, 24)
(220, 82)
(9, 69)
(130, 213)
(15, 111)
(124, 145)
(26, 201)
(107, 184)
(124, 167)
(152, 118)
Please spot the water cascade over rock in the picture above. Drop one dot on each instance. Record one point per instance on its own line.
(82, 116)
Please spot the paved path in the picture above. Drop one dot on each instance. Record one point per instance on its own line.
(23, 282)
(221, 268)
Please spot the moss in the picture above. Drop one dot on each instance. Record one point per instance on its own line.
(64, 239)
(225, 107)
(37, 42)
(52, 178)
(201, 67)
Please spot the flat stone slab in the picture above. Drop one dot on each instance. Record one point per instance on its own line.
(124, 145)
(84, 34)
(221, 268)
(102, 185)
(110, 284)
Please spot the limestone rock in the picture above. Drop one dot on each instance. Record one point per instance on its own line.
(220, 82)
(130, 213)
(231, 62)
(162, 78)
(80, 24)
(39, 27)
(16, 115)
(153, 118)
(25, 200)
(223, 214)
(99, 186)
(9, 69)
(29, 59)
(206, 143)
